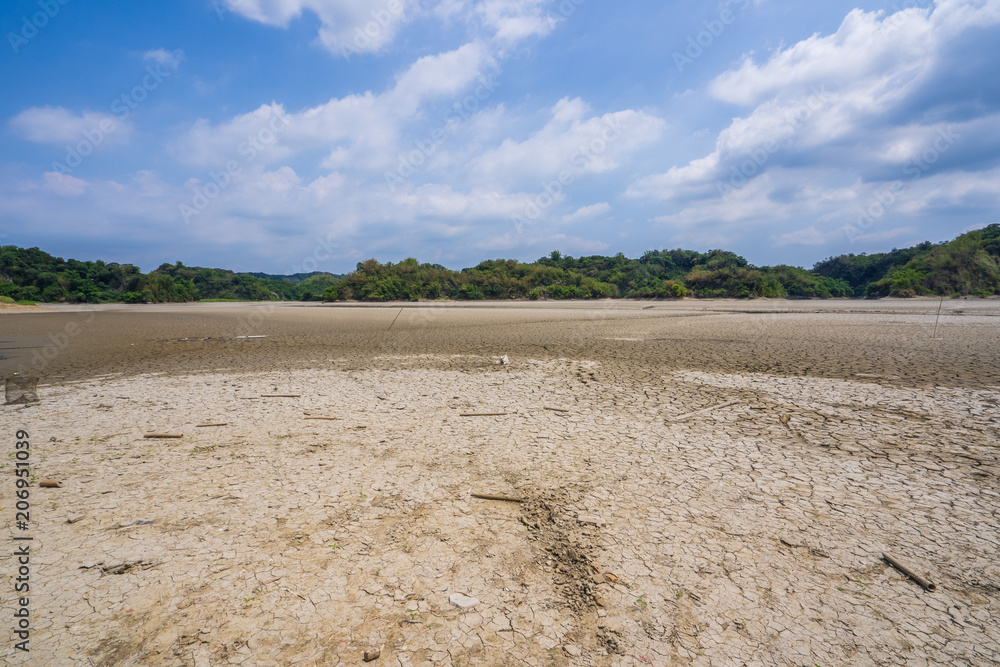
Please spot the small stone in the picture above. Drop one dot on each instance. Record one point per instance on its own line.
(463, 601)
(572, 650)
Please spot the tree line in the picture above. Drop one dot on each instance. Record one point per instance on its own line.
(967, 265)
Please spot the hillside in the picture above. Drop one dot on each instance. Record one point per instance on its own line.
(967, 265)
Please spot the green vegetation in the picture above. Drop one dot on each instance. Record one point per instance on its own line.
(29, 274)
(967, 265)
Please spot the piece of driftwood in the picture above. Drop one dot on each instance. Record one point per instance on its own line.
(556, 409)
(490, 496)
(50, 484)
(484, 414)
(280, 395)
(328, 418)
(372, 654)
(703, 410)
(207, 425)
(924, 583)
(164, 435)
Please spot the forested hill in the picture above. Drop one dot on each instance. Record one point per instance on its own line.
(967, 265)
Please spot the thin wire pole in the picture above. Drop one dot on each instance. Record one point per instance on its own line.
(940, 306)
(395, 318)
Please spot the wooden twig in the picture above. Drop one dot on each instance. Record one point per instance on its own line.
(556, 409)
(164, 435)
(698, 412)
(490, 496)
(328, 418)
(207, 425)
(280, 395)
(484, 414)
(924, 583)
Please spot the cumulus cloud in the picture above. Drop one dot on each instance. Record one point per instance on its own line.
(864, 102)
(361, 26)
(572, 141)
(360, 131)
(346, 26)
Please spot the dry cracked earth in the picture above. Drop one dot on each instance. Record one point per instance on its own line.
(680, 507)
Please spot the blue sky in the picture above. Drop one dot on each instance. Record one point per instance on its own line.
(299, 135)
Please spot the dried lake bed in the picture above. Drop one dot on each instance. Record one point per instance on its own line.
(702, 482)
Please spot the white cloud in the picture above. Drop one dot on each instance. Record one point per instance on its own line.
(346, 26)
(808, 236)
(441, 201)
(587, 212)
(57, 125)
(513, 20)
(834, 102)
(571, 141)
(64, 185)
(363, 26)
(359, 131)
(171, 59)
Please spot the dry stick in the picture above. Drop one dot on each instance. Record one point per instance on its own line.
(484, 414)
(940, 306)
(926, 585)
(698, 412)
(207, 425)
(164, 435)
(490, 496)
(280, 395)
(556, 409)
(330, 418)
(395, 318)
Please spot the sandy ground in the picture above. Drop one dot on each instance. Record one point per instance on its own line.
(749, 532)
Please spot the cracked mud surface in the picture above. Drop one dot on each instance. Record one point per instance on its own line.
(745, 534)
